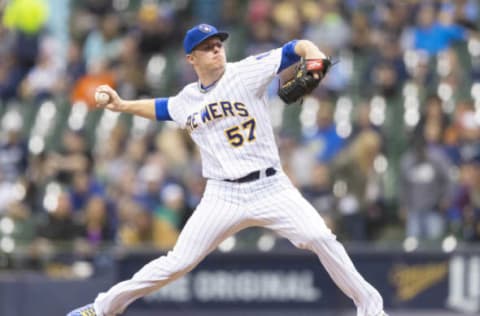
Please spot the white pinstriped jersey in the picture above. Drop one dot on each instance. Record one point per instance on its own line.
(230, 122)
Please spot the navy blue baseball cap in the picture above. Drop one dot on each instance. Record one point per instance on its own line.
(198, 34)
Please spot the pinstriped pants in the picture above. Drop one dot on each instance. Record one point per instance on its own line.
(226, 208)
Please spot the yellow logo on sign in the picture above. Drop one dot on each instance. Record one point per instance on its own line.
(414, 279)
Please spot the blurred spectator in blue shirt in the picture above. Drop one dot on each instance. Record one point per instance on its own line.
(13, 155)
(84, 186)
(433, 36)
(325, 141)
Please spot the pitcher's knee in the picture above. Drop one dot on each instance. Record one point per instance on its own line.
(166, 267)
(315, 238)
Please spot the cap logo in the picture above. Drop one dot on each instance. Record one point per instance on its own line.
(205, 28)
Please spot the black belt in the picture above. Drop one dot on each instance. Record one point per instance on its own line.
(252, 176)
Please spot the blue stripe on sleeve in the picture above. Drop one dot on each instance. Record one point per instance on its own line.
(289, 57)
(161, 109)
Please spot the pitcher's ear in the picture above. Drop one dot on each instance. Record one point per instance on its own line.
(190, 58)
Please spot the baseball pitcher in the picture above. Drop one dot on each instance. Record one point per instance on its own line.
(225, 112)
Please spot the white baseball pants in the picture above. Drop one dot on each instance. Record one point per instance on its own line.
(226, 208)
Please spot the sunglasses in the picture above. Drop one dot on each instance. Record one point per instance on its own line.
(210, 46)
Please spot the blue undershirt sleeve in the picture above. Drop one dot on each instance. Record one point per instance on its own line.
(289, 57)
(161, 109)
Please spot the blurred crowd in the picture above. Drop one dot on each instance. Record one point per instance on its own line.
(387, 148)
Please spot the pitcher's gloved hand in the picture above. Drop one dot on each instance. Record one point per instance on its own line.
(308, 75)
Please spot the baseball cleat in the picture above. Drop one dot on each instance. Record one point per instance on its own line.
(86, 310)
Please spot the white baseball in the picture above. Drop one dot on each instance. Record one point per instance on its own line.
(102, 98)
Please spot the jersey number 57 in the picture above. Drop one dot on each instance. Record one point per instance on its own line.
(237, 134)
